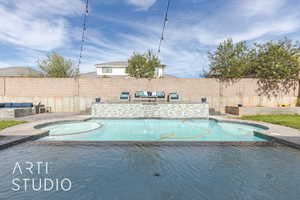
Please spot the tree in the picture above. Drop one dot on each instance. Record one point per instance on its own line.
(297, 55)
(229, 61)
(142, 65)
(56, 65)
(274, 64)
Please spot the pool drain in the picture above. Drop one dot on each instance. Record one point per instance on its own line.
(156, 174)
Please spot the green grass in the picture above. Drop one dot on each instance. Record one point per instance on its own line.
(292, 121)
(7, 123)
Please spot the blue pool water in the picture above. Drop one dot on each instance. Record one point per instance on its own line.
(156, 172)
(61, 129)
(154, 130)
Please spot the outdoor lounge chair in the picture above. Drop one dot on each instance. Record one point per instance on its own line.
(142, 94)
(173, 96)
(138, 94)
(160, 95)
(145, 96)
(125, 95)
(16, 105)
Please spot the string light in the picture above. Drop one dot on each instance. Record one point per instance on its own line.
(166, 20)
(84, 29)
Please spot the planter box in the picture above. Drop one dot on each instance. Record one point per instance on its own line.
(10, 113)
(244, 111)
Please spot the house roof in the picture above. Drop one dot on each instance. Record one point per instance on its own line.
(18, 71)
(169, 76)
(117, 64)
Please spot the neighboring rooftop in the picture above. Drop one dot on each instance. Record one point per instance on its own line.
(18, 72)
(169, 76)
(94, 75)
(117, 64)
(88, 75)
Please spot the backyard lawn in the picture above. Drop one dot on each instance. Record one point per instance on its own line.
(7, 123)
(292, 121)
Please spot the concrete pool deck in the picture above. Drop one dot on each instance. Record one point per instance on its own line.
(28, 131)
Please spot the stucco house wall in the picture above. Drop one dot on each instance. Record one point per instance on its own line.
(119, 69)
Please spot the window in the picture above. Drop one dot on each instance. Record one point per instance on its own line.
(106, 70)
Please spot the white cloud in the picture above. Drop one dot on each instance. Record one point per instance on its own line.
(141, 4)
(189, 35)
(259, 7)
(247, 20)
(39, 27)
(46, 7)
(253, 32)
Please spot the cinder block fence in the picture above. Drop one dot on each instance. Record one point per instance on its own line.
(77, 95)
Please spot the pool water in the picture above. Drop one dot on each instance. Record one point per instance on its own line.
(72, 128)
(155, 130)
(157, 172)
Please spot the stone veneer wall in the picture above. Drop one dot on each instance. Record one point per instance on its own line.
(147, 110)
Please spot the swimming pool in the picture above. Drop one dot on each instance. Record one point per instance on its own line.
(152, 130)
(156, 172)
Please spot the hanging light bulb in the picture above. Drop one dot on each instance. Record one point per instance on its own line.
(87, 7)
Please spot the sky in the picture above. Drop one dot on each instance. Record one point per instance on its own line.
(30, 29)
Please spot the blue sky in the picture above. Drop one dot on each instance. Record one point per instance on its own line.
(29, 29)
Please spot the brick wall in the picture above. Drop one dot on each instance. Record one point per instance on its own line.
(73, 95)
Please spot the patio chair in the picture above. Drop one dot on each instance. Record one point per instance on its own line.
(125, 96)
(98, 100)
(160, 95)
(173, 96)
(40, 108)
(139, 94)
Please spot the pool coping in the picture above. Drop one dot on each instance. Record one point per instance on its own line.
(158, 143)
(14, 140)
(273, 133)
